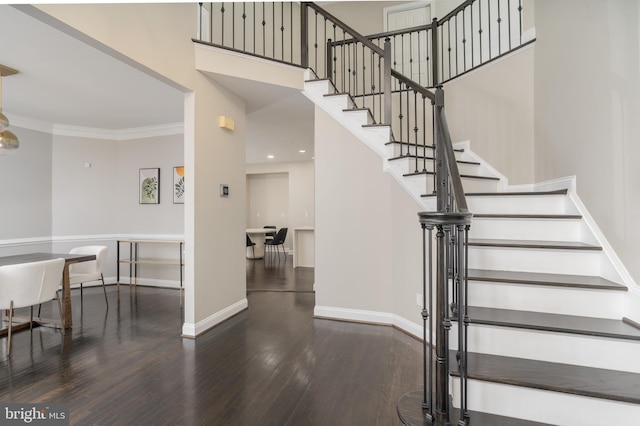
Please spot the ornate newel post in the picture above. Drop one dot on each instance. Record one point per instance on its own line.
(430, 406)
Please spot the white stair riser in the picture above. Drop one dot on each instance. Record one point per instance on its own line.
(575, 262)
(563, 348)
(360, 117)
(409, 165)
(475, 185)
(341, 102)
(550, 299)
(525, 229)
(318, 86)
(546, 204)
(545, 406)
(398, 150)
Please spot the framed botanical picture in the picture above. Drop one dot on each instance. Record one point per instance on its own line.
(178, 185)
(149, 186)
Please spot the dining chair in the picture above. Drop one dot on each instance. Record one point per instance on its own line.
(84, 272)
(29, 284)
(269, 235)
(278, 240)
(252, 245)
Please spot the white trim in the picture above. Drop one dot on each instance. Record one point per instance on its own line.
(193, 330)
(368, 317)
(99, 237)
(121, 134)
(96, 133)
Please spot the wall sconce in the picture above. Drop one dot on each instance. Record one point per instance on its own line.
(226, 122)
(8, 141)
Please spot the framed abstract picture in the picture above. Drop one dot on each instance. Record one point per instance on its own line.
(178, 185)
(149, 186)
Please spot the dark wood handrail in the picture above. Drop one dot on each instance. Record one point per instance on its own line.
(455, 11)
(413, 85)
(454, 174)
(345, 27)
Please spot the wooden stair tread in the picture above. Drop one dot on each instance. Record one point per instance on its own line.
(558, 323)
(527, 216)
(571, 379)
(411, 413)
(539, 278)
(517, 193)
(462, 176)
(510, 194)
(562, 245)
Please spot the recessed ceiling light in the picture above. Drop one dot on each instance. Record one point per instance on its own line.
(302, 151)
(270, 156)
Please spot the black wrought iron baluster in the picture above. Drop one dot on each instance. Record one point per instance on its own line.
(221, 24)
(449, 44)
(334, 59)
(211, 22)
(264, 34)
(364, 70)
(273, 31)
(429, 68)
(410, 75)
(464, 40)
(342, 52)
(373, 83)
(408, 122)
(291, 28)
(472, 37)
(489, 27)
(434, 136)
(326, 56)
(355, 66)
(282, 31)
(520, 19)
(244, 26)
(427, 352)
(465, 352)
(499, 21)
(420, 60)
(402, 54)
(424, 134)
(349, 76)
(480, 30)
(400, 117)
(254, 28)
(415, 127)
(380, 118)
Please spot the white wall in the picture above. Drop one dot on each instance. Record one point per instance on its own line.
(26, 187)
(493, 108)
(587, 104)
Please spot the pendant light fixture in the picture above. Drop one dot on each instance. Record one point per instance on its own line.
(8, 141)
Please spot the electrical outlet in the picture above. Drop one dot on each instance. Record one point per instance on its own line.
(419, 299)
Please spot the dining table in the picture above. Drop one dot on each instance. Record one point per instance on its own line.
(258, 236)
(70, 259)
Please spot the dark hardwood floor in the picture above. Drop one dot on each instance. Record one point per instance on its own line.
(273, 364)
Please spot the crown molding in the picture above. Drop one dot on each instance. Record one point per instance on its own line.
(96, 133)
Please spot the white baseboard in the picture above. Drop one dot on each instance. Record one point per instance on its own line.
(368, 317)
(192, 330)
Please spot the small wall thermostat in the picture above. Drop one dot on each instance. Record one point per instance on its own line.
(224, 190)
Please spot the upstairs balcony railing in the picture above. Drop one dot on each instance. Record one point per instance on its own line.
(397, 77)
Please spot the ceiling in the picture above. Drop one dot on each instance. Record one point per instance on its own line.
(65, 82)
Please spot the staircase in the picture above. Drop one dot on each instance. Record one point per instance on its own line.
(546, 343)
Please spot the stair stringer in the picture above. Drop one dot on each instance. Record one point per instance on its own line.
(376, 138)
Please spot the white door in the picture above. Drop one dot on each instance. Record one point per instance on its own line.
(410, 51)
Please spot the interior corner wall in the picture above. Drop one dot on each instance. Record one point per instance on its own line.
(492, 107)
(26, 192)
(144, 35)
(353, 268)
(587, 104)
